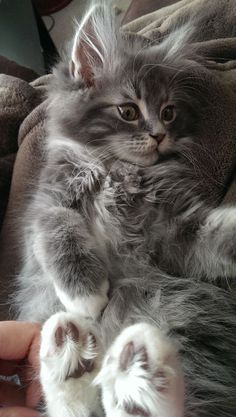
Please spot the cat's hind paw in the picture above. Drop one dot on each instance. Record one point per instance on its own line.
(141, 376)
(68, 346)
(70, 359)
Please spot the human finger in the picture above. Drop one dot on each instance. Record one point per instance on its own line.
(17, 338)
(28, 394)
(11, 394)
(33, 392)
(18, 412)
(8, 368)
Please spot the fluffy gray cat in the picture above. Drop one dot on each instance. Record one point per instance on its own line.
(121, 224)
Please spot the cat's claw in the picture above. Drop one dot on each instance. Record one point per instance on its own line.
(140, 375)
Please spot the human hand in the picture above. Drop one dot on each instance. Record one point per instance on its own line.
(19, 346)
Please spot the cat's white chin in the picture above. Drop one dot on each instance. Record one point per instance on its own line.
(143, 160)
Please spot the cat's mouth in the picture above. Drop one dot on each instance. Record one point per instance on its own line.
(149, 152)
(153, 150)
(157, 145)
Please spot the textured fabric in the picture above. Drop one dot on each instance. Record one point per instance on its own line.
(211, 19)
(23, 118)
(17, 99)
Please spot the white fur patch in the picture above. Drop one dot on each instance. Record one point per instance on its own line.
(225, 218)
(87, 306)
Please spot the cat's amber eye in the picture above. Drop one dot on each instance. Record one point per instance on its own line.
(168, 114)
(129, 112)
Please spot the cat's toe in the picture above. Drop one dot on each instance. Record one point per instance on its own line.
(129, 355)
(69, 331)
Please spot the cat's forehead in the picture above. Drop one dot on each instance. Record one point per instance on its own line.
(140, 81)
(128, 91)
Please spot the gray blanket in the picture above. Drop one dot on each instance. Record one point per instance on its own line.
(214, 31)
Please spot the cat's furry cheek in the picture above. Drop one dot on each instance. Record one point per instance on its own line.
(166, 145)
(139, 158)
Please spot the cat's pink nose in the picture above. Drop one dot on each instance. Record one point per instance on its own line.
(158, 137)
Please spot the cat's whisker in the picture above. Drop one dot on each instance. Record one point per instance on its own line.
(188, 93)
(105, 151)
(191, 159)
(155, 65)
(189, 148)
(188, 77)
(188, 151)
(153, 42)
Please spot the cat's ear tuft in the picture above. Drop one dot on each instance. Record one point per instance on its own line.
(94, 42)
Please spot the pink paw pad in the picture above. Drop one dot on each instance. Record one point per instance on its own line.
(130, 355)
(69, 331)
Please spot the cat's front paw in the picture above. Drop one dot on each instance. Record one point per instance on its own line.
(140, 375)
(89, 179)
(70, 359)
(220, 230)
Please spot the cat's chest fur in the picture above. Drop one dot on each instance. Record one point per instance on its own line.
(127, 222)
(121, 215)
(127, 209)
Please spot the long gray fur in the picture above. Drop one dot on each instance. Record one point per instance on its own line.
(152, 230)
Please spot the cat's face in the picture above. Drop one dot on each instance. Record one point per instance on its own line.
(137, 115)
(131, 104)
(141, 115)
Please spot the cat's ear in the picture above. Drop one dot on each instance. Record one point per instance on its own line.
(95, 41)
